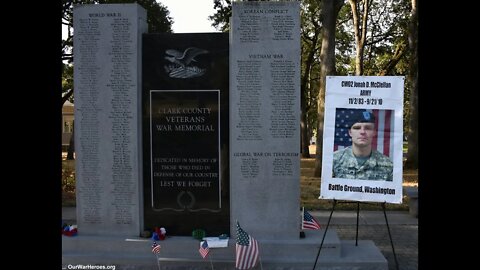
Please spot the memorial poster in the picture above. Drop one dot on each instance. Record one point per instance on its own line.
(363, 139)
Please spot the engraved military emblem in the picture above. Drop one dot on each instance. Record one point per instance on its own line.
(182, 65)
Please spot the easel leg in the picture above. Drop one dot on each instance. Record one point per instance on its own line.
(325, 233)
(390, 235)
(356, 233)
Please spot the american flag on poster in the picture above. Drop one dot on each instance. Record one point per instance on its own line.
(246, 250)
(383, 122)
(204, 249)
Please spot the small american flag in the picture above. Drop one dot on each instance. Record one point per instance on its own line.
(155, 248)
(204, 249)
(383, 123)
(309, 222)
(246, 250)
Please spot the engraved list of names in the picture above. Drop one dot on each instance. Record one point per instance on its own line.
(265, 114)
(106, 117)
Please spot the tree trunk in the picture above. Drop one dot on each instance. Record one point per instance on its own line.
(305, 140)
(329, 15)
(71, 144)
(360, 33)
(397, 56)
(412, 155)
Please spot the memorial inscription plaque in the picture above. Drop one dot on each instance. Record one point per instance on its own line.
(184, 146)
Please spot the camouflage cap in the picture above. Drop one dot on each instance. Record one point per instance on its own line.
(361, 116)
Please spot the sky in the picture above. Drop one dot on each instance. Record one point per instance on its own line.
(190, 16)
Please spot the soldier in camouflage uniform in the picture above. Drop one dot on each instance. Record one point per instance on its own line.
(360, 161)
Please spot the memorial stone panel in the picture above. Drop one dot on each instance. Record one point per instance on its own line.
(185, 115)
(265, 118)
(107, 140)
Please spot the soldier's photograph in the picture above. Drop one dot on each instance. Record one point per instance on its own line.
(362, 144)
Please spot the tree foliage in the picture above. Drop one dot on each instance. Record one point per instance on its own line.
(381, 33)
(386, 51)
(67, 82)
(223, 12)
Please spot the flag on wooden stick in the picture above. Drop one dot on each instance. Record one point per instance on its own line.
(309, 221)
(155, 248)
(246, 250)
(204, 249)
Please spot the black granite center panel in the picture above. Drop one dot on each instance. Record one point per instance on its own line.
(185, 132)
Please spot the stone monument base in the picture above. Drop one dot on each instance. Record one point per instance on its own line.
(179, 252)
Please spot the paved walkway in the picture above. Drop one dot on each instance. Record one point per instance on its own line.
(372, 226)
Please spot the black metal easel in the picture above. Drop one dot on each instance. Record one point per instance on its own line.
(356, 234)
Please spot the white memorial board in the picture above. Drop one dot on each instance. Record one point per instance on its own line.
(362, 142)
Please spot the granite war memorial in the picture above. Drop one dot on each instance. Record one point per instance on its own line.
(188, 132)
